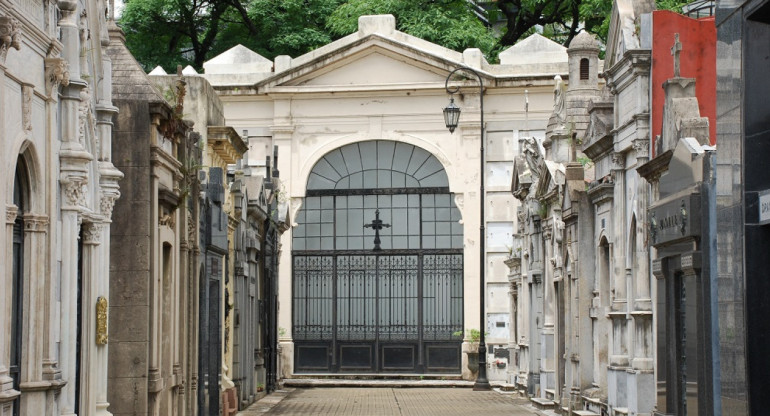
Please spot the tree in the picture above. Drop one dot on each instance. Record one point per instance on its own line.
(522, 17)
(171, 32)
(449, 23)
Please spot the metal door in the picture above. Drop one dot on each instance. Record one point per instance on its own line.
(377, 264)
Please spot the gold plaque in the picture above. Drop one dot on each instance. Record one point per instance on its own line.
(101, 321)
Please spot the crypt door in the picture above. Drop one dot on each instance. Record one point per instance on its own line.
(377, 264)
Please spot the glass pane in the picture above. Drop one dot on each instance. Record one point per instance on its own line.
(355, 222)
(313, 230)
(299, 231)
(327, 202)
(400, 243)
(298, 244)
(336, 160)
(457, 241)
(313, 202)
(352, 158)
(442, 214)
(435, 180)
(411, 182)
(370, 201)
(357, 180)
(443, 200)
(368, 154)
(419, 156)
(383, 201)
(402, 156)
(342, 202)
(313, 243)
(356, 201)
(429, 228)
(385, 151)
(313, 216)
(399, 201)
(325, 170)
(383, 179)
(319, 182)
(414, 242)
(398, 180)
(327, 215)
(342, 243)
(343, 183)
(370, 179)
(327, 230)
(399, 222)
(443, 242)
(428, 200)
(355, 243)
(443, 228)
(327, 243)
(428, 242)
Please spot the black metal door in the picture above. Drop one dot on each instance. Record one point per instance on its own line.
(378, 313)
(378, 264)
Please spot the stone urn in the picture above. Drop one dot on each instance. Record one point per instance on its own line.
(473, 357)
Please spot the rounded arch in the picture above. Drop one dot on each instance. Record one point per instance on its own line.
(315, 156)
(377, 164)
(27, 164)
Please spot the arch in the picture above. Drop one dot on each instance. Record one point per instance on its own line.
(377, 164)
(604, 273)
(426, 145)
(28, 157)
(379, 224)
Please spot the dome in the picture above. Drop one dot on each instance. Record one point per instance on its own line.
(583, 41)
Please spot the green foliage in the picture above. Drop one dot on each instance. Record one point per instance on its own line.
(450, 23)
(473, 334)
(289, 27)
(189, 32)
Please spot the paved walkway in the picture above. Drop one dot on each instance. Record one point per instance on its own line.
(386, 401)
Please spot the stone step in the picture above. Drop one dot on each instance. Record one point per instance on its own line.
(621, 411)
(543, 404)
(584, 413)
(366, 382)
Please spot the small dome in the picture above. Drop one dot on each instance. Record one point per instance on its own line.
(583, 41)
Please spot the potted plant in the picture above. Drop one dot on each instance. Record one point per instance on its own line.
(473, 348)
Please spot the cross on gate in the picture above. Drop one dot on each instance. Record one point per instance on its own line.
(675, 52)
(376, 225)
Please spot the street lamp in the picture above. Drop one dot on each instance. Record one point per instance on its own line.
(451, 118)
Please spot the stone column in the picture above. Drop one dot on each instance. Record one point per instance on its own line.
(93, 357)
(618, 360)
(73, 190)
(33, 386)
(642, 382)
(7, 394)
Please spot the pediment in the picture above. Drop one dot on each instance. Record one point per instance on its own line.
(375, 66)
(624, 28)
(369, 62)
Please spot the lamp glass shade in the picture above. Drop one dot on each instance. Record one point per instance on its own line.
(451, 115)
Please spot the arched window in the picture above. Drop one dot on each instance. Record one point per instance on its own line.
(584, 68)
(378, 264)
(20, 199)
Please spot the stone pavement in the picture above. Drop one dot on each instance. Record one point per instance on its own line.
(386, 401)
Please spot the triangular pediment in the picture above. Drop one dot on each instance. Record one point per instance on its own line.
(375, 66)
(374, 60)
(624, 31)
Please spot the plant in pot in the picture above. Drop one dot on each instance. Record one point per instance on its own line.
(473, 348)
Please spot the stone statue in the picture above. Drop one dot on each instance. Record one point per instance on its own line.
(532, 156)
(559, 109)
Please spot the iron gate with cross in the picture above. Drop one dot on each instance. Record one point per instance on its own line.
(387, 297)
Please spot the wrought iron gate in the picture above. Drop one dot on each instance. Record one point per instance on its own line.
(378, 313)
(380, 296)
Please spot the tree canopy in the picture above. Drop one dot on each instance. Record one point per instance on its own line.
(189, 32)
